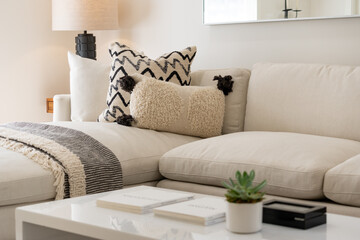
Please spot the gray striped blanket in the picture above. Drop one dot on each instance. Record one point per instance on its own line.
(80, 164)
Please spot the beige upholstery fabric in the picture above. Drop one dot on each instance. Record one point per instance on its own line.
(139, 151)
(342, 183)
(304, 98)
(235, 102)
(195, 111)
(22, 180)
(293, 164)
(331, 207)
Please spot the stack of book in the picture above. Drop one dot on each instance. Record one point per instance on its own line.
(204, 211)
(142, 201)
(165, 203)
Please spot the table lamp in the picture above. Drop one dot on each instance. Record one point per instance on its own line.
(84, 15)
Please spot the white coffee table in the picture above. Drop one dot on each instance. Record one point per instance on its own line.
(79, 218)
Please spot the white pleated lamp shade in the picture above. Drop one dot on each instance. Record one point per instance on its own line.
(80, 15)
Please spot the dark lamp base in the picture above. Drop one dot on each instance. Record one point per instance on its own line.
(85, 45)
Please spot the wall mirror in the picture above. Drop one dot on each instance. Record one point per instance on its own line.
(242, 11)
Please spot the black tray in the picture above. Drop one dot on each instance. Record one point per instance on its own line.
(294, 215)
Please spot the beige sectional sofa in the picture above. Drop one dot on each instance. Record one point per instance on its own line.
(296, 125)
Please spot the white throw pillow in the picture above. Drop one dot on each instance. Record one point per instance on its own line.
(88, 87)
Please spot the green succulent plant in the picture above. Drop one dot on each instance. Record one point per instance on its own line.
(242, 191)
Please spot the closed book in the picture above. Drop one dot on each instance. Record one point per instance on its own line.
(142, 201)
(205, 211)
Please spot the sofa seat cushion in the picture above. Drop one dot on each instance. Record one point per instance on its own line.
(342, 183)
(138, 150)
(293, 164)
(22, 180)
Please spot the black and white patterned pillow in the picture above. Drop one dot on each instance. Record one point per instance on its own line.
(172, 67)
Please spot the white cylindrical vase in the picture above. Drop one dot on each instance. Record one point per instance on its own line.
(244, 217)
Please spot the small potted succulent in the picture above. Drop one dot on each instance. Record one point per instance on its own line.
(244, 203)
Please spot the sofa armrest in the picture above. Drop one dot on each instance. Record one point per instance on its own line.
(62, 108)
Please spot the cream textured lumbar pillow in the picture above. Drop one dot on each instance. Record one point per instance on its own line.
(162, 106)
(172, 67)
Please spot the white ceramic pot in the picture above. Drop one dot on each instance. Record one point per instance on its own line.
(244, 217)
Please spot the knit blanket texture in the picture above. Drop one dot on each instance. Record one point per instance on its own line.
(80, 164)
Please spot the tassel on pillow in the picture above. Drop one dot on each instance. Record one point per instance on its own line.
(127, 83)
(224, 84)
(125, 120)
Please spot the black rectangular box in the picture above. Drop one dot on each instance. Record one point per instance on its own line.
(293, 214)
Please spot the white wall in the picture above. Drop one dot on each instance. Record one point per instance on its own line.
(33, 59)
(33, 62)
(175, 24)
(325, 8)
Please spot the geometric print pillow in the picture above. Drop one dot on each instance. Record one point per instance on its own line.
(171, 67)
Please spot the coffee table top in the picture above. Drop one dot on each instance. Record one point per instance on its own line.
(82, 216)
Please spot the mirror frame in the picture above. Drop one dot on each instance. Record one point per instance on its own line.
(273, 20)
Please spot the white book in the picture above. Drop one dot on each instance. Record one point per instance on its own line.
(205, 211)
(142, 201)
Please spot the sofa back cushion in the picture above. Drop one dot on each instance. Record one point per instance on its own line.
(304, 98)
(235, 102)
